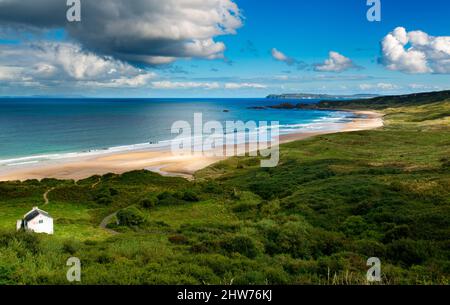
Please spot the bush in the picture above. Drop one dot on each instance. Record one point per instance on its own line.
(396, 233)
(6, 275)
(190, 196)
(369, 248)
(130, 216)
(29, 241)
(149, 203)
(103, 197)
(212, 187)
(409, 252)
(169, 198)
(241, 244)
(70, 247)
(354, 226)
(290, 238)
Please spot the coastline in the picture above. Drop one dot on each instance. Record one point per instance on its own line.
(162, 161)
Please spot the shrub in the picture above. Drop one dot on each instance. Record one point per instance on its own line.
(130, 216)
(369, 248)
(70, 247)
(149, 203)
(326, 242)
(212, 187)
(190, 196)
(103, 197)
(354, 226)
(396, 233)
(409, 252)
(6, 275)
(169, 198)
(113, 192)
(30, 241)
(241, 244)
(330, 265)
(290, 238)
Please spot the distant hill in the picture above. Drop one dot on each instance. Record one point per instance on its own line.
(306, 96)
(381, 102)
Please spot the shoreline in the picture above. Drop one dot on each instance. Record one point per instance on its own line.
(161, 161)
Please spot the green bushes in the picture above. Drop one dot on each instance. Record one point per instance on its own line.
(149, 202)
(27, 242)
(190, 196)
(409, 252)
(130, 217)
(241, 244)
(292, 238)
(105, 195)
(179, 197)
(354, 226)
(70, 247)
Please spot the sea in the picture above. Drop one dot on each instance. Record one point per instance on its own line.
(41, 129)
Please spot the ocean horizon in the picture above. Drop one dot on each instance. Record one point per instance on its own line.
(38, 129)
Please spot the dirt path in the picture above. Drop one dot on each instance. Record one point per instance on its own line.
(45, 196)
(96, 183)
(105, 222)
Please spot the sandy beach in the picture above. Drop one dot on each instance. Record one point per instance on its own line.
(161, 161)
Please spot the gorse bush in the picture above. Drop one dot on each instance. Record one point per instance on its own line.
(130, 217)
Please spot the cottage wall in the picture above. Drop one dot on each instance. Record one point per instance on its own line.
(41, 224)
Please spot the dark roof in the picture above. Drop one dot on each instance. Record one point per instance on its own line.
(32, 215)
(35, 213)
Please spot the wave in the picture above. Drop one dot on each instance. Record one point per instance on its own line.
(322, 123)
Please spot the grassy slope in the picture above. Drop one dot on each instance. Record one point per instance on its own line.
(333, 201)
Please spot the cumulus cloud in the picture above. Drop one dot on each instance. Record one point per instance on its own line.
(50, 63)
(416, 52)
(335, 63)
(290, 61)
(146, 31)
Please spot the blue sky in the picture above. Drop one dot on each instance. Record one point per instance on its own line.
(265, 47)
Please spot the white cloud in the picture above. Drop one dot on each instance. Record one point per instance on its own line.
(234, 86)
(57, 63)
(280, 56)
(379, 86)
(10, 73)
(335, 63)
(290, 61)
(416, 86)
(416, 52)
(149, 31)
(184, 85)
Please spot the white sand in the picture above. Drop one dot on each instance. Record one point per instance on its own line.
(163, 162)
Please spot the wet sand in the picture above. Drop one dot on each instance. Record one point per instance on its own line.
(162, 161)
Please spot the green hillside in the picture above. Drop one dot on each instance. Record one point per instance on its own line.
(333, 202)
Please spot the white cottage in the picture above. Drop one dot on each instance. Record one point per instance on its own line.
(37, 221)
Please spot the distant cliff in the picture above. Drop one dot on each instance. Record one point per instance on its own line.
(380, 102)
(307, 96)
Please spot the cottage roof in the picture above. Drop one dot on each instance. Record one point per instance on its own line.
(34, 213)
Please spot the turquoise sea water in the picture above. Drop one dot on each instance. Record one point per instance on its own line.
(52, 128)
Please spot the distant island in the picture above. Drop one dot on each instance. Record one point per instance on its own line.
(308, 96)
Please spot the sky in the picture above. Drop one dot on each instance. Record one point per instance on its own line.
(222, 48)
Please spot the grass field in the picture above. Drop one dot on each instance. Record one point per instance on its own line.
(333, 202)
